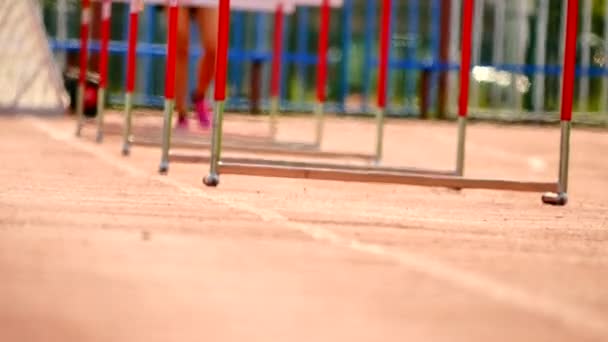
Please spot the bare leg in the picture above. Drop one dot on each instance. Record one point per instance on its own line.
(206, 19)
(182, 61)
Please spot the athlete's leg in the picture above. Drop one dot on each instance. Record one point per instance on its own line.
(207, 22)
(182, 61)
(206, 19)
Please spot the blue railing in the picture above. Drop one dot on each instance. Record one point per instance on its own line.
(303, 58)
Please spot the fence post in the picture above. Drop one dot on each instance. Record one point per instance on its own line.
(444, 56)
(477, 44)
(498, 48)
(583, 96)
(452, 97)
(236, 67)
(370, 15)
(604, 93)
(541, 55)
(413, 29)
(347, 27)
(302, 49)
(149, 33)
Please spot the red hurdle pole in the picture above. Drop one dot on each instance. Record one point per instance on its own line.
(561, 198)
(106, 17)
(221, 67)
(136, 7)
(322, 70)
(169, 86)
(275, 81)
(85, 21)
(385, 31)
(465, 70)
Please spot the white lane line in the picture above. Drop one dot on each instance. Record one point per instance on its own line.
(573, 316)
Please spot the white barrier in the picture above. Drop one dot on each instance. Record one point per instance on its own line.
(30, 81)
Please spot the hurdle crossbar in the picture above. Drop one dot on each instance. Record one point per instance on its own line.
(253, 148)
(178, 157)
(261, 169)
(150, 137)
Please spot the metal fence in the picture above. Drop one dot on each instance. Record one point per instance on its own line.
(517, 54)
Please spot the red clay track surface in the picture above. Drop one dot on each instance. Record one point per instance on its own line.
(98, 247)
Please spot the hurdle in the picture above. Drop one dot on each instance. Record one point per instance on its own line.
(85, 22)
(293, 149)
(262, 147)
(127, 138)
(382, 96)
(319, 108)
(321, 82)
(272, 148)
(106, 15)
(136, 6)
(555, 192)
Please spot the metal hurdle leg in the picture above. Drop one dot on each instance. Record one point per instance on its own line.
(319, 112)
(319, 109)
(276, 69)
(79, 109)
(169, 88)
(379, 135)
(106, 14)
(223, 35)
(561, 196)
(213, 179)
(468, 10)
(101, 93)
(136, 7)
(84, 49)
(385, 31)
(126, 135)
(274, 112)
(461, 145)
(166, 142)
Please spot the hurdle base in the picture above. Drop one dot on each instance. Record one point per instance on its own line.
(252, 148)
(212, 180)
(558, 199)
(127, 136)
(163, 169)
(236, 143)
(195, 159)
(100, 114)
(79, 110)
(126, 150)
(445, 181)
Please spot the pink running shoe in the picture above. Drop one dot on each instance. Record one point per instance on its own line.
(203, 112)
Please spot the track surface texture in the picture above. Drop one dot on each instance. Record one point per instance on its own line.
(98, 247)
